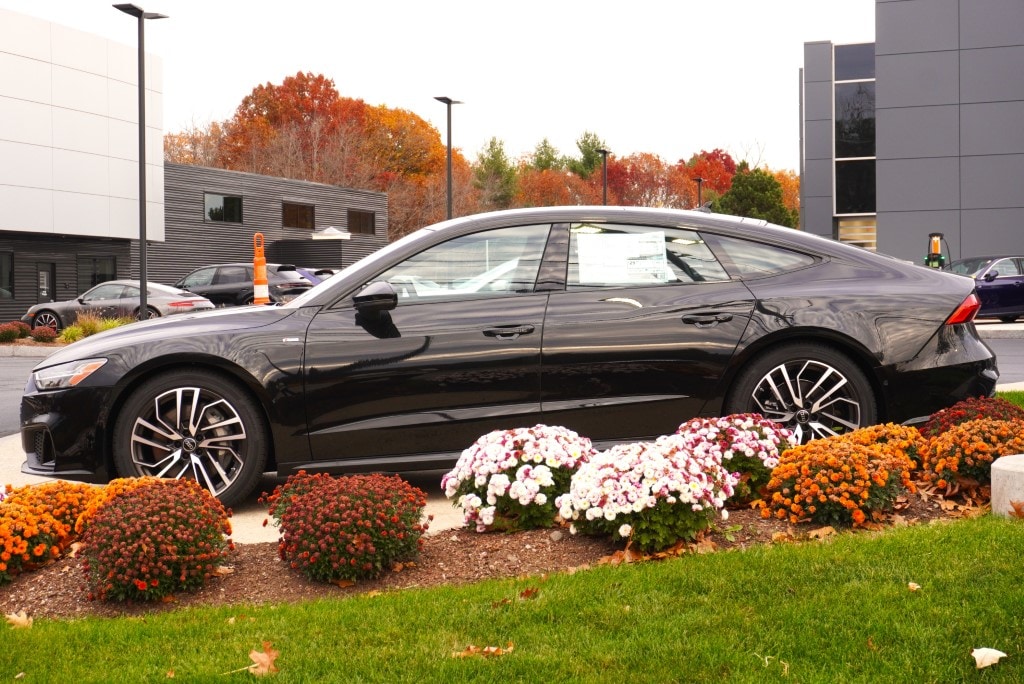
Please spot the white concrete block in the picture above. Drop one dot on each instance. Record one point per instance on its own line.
(1007, 483)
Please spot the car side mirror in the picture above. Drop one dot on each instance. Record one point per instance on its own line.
(990, 276)
(375, 298)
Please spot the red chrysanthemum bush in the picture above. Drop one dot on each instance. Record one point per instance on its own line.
(846, 480)
(154, 539)
(36, 523)
(43, 334)
(9, 332)
(974, 408)
(963, 454)
(347, 528)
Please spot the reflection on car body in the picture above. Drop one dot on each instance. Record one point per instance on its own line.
(619, 323)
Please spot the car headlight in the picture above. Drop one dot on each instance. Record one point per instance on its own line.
(66, 374)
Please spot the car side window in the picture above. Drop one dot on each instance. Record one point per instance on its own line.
(233, 274)
(105, 292)
(495, 262)
(1005, 267)
(203, 276)
(606, 255)
(750, 259)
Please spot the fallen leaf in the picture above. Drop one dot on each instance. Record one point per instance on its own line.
(223, 570)
(486, 651)
(1017, 510)
(821, 532)
(527, 594)
(781, 537)
(170, 674)
(913, 586)
(19, 620)
(74, 549)
(947, 505)
(502, 602)
(263, 661)
(20, 675)
(343, 583)
(983, 657)
(871, 644)
(397, 567)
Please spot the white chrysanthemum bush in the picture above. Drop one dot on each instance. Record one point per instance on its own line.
(654, 494)
(509, 479)
(748, 444)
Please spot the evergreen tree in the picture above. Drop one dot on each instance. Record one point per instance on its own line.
(757, 194)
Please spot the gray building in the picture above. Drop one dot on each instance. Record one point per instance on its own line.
(920, 132)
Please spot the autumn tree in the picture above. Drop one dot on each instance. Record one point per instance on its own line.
(494, 176)
(715, 169)
(790, 182)
(639, 180)
(756, 193)
(196, 145)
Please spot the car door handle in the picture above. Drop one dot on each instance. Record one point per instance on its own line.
(706, 320)
(510, 332)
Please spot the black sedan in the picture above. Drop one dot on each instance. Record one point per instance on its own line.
(1000, 284)
(115, 299)
(619, 323)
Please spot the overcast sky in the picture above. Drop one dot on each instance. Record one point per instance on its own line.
(670, 77)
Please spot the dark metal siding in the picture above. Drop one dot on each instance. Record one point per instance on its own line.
(191, 242)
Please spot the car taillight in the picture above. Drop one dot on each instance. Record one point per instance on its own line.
(182, 304)
(966, 312)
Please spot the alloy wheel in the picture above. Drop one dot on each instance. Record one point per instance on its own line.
(811, 398)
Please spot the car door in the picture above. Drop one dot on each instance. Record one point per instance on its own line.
(458, 356)
(200, 282)
(640, 338)
(1002, 292)
(101, 301)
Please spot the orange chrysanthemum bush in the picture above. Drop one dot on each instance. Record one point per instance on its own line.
(974, 408)
(893, 439)
(36, 523)
(846, 480)
(347, 528)
(153, 539)
(963, 455)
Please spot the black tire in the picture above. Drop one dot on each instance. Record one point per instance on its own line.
(48, 319)
(812, 389)
(1009, 319)
(225, 451)
(150, 313)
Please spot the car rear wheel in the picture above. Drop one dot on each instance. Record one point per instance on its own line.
(812, 389)
(193, 424)
(47, 319)
(150, 313)
(1008, 319)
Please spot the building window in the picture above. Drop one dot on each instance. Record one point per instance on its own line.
(854, 128)
(361, 222)
(297, 215)
(859, 232)
(226, 208)
(93, 270)
(6, 275)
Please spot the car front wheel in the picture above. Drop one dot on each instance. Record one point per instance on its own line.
(193, 424)
(812, 389)
(47, 319)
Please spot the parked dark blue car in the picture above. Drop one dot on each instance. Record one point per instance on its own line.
(1000, 284)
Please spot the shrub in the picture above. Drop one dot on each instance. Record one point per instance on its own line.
(509, 479)
(72, 333)
(29, 537)
(654, 494)
(747, 444)
(44, 334)
(155, 539)
(90, 324)
(111, 490)
(9, 332)
(24, 329)
(111, 323)
(963, 454)
(64, 500)
(848, 480)
(897, 440)
(970, 409)
(348, 528)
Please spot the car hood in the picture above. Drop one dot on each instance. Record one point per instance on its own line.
(160, 329)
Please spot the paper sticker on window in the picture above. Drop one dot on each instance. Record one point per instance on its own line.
(622, 259)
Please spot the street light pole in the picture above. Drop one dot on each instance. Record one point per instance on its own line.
(604, 175)
(142, 15)
(448, 103)
(699, 182)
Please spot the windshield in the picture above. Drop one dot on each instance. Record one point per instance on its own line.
(969, 267)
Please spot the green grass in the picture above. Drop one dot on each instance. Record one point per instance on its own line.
(1013, 396)
(838, 610)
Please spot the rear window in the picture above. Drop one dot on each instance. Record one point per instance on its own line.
(751, 259)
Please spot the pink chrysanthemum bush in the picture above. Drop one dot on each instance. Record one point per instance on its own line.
(509, 479)
(153, 540)
(653, 494)
(849, 479)
(748, 444)
(348, 528)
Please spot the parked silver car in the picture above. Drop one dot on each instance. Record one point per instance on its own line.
(116, 299)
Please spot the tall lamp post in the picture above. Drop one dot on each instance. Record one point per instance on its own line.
(699, 182)
(604, 175)
(142, 15)
(448, 103)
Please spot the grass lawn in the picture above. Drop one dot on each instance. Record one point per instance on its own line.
(839, 610)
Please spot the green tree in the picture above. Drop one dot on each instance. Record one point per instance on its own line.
(546, 158)
(589, 159)
(757, 194)
(494, 176)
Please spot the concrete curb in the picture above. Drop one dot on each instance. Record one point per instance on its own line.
(30, 350)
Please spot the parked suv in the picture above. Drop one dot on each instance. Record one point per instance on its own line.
(231, 284)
